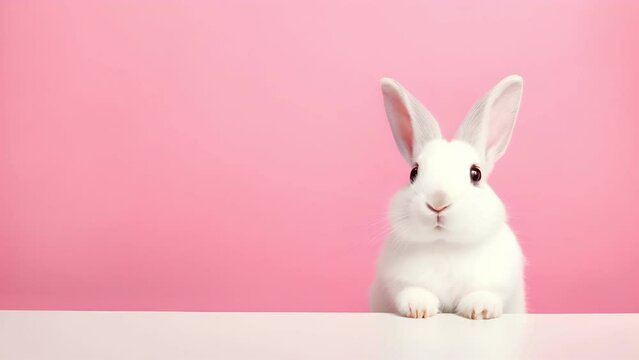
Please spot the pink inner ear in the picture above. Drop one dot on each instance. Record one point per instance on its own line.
(403, 124)
(501, 117)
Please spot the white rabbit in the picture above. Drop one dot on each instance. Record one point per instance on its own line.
(450, 248)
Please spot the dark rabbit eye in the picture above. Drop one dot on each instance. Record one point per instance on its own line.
(413, 173)
(475, 174)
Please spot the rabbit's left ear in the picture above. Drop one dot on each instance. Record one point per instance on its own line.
(489, 124)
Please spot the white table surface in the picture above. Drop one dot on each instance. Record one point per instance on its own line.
(173, 335)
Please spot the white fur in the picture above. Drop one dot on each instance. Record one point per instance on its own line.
(465, 259)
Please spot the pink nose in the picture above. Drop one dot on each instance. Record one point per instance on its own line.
(437, 209)
(438, 201)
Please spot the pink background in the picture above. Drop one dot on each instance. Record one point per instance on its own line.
(234, 155)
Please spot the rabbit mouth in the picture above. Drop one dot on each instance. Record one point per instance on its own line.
(439, 223)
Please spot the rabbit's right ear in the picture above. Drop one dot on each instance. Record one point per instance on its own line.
(412, 125)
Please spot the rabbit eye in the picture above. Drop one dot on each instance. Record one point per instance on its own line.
(475, 174)
(413, 173)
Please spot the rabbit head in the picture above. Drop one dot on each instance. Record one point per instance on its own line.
(448, 198)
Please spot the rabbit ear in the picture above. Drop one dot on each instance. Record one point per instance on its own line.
(489, 124)
(411, 123)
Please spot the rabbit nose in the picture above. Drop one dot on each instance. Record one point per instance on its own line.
(437, 209)
(438, 202)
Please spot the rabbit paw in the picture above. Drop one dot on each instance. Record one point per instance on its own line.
(415, 302)
(480, 305)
